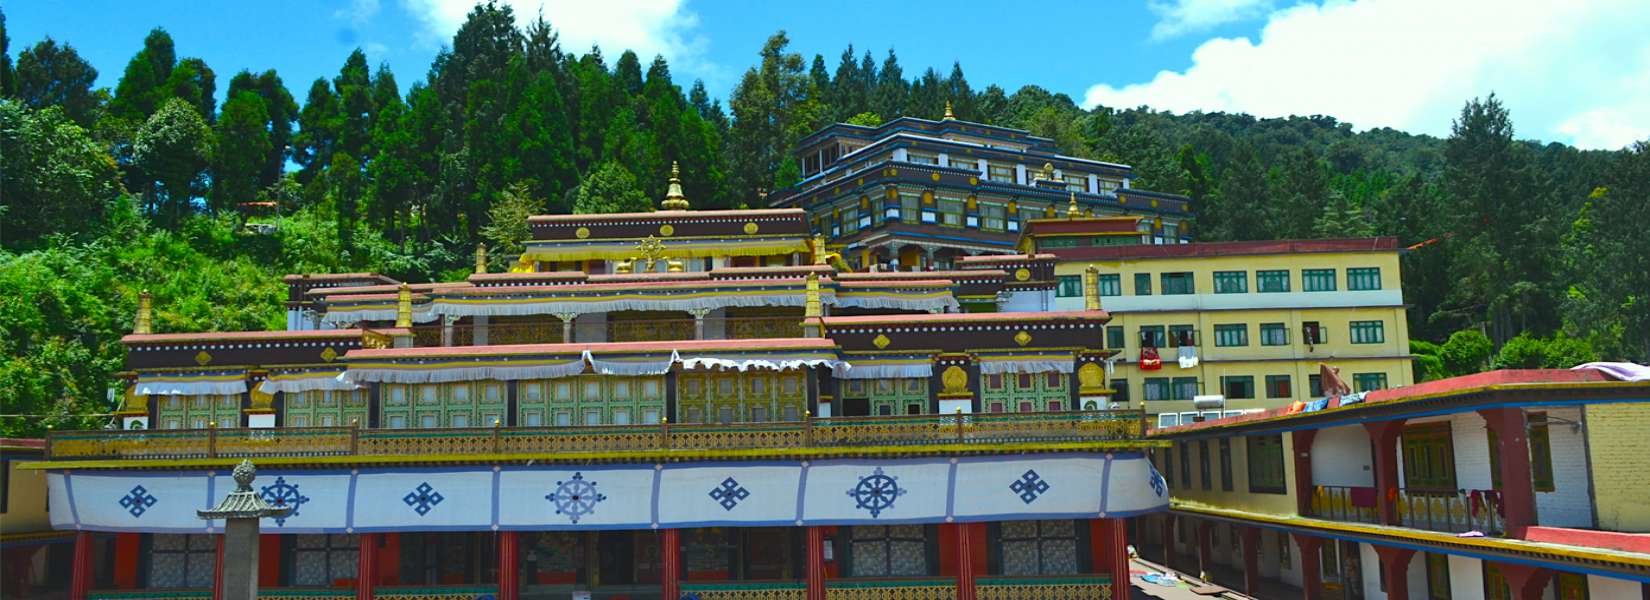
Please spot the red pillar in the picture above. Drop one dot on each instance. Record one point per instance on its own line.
(127, 548)
(1517, 488)
(965, 562)
(509, 567)
(366, 566)
(1395, 570)
(816, 563)
(1205, 548)
(81, 578)
(1311, 571)
(670, 574)
(1302, 443)
(269, 561)
(1251, 561)
(1117, 544)
(1168, 541)
(1384, 435)
(1526, 582)
(217, 571)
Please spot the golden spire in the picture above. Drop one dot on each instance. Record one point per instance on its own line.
(143, 323)
(481, 257)
(1072, 211)
(1091, 288)
(403, 307)
(949, 116)
(812, 309)
(819, 249)
(674, 198)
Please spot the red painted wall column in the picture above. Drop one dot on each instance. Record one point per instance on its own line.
(127, 548)
(1205, 548)
(509, 565)
(965, 562)
(269, 561)
(1527, 582)
(1251, 561)
(816, 563)
(1311, 570)
(1395, 570)
(366, 566)
(1168, 540)
(1384, 435)
(1302, 447)
(1117, 544)
(217, 570)
(80, 581)
(1517, 487)
(670, 573)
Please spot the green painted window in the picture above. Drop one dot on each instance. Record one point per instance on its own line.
(1111, 285)
(1114, 337)
(730, 397)
(1025, 392)
(1314, 385)
(1178, 284)
(1069, 286)
(1182, 335)
(897, 396)
(1142, 284)
(1156, 388)
(1368, 332)
(1231, 282)
(1121, 387)
(1369, 382)
(1152, 336)
(1265, 458)
(324, 408)
(1238, 387)
(1274, 334)
(1318, 280)
(1183, 388)
(1279, 386)
(1314, 333)
(1541, 454)
(1270, 282)
(197, 411)
(1236, 334)
(1360, 279)
(1429, 457)
(438, 405)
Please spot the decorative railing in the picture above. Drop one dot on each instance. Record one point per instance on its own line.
(1095, 587)
(436, 592)
(811, 432)
(880, 589)
(1456, 511)
(550, 331)
(295, 593)
(746, 590)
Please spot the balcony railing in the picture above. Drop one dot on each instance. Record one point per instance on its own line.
(811, 432)
(550, 331)
(1457, 511)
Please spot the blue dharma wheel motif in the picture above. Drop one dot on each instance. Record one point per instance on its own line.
(575, 497)
(1029, 486)
(876, 492)
(137, 501)
(423, 499)
(283, 494)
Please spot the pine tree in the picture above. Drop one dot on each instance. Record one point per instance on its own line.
(242, 147)
(48, 74)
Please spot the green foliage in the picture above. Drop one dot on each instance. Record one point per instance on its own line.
(52, 75)
(242, 147)
(1557, 352)
(508, 228)
(610, 189)
(1428, 364)
(58, 181)
(171, 150)
(865, 119)
(1467, 351)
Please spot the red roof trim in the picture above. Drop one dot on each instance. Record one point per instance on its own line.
(1086, 315)
(609, 347)
(668, 214)
(161, 338)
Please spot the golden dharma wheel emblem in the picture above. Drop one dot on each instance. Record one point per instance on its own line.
(1022, 274)
(973, 181)
(581, 233)
(667, 230)
(751, 229)
(935, 176)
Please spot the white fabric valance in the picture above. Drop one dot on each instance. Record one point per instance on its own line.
(573, 305)
(889, 370)
(338, 317)
(894, 301)
(305, 382)
(459, 372)
(991, 366)
(183, 385)
(746, 364)
(631, 367)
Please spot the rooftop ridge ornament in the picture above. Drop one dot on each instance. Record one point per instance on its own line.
(403, 306)
(1048, 172)
(675, 199)
(481, 258)
(145, 314)
(243, 503)
(1072, 211)
(949, 116)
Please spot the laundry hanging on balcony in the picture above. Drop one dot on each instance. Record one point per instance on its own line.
(1187, 357)
(1149, 360)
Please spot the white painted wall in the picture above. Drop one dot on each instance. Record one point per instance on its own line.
(1600, 588)
(1287, 300)
(1466, 578)
(1371, 565)
(1568, 505)
(1340, 456)
(1032, 301)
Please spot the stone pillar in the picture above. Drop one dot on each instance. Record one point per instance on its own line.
(1205, 548)
(446, 330)
(1526, 582)
(366, 566)
(567, 326)
(699, 322)
(1517, 487)
(1251, 561)
(965, 562)
(80, 580)
(238, 560)
(1311, 570)
(1301, 440)
(816, 563)
(1384, 436)
(509, 565)
(670, 573)
(478, 335)
(1395, 570)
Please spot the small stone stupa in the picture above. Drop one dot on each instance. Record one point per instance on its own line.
(240, 511)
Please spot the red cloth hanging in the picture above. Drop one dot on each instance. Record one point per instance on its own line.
(1149, 360)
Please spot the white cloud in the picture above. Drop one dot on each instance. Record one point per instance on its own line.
(649, 27)
(1179, 17)
(358, 12)
(1577, 72)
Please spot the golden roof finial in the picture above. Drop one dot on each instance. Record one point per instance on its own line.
(403, 307)
(674, 198)
(143, 323)
(1048, 172)
(1072, 211)
(1091, 288)
(481, 257)
(949, 116)
(811, 308)
(819, 249)
(650, 249)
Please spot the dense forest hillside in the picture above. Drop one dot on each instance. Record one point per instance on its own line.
(1524, 254)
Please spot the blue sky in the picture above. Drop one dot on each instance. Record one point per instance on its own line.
(1576, 72)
